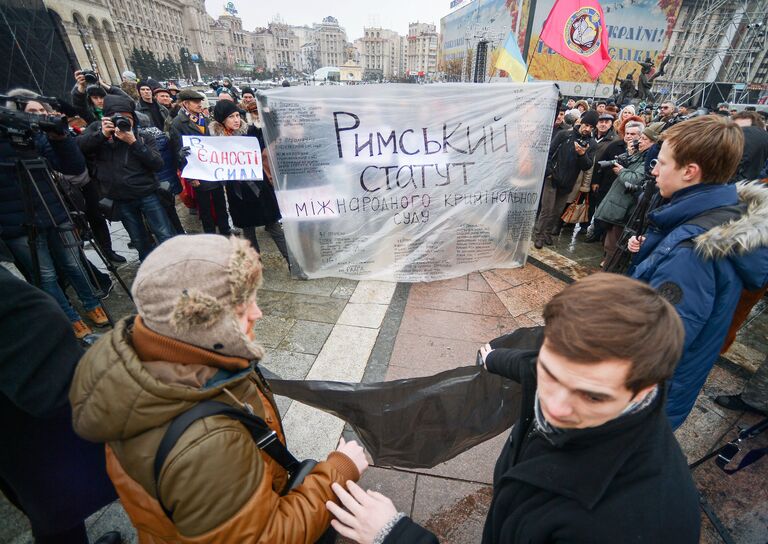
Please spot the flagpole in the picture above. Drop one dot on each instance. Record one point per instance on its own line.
(530, 61)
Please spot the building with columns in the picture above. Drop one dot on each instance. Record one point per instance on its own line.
(197, 29)
(92, 35)
(154, 26)
(103, 33)
(422, 49)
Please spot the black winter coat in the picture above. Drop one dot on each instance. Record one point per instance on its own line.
(126, 172)
(251, 203)
(63, 156)
(624, 481)
(755, 153)
(58, 478)
(604, 177)
(157, 113)
(563, 163)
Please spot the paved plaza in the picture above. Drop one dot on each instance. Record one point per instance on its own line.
(336, 329)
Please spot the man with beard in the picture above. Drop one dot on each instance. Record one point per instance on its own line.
(570, 153)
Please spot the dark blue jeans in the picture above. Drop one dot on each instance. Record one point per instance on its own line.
(52, 251)
(150, 208)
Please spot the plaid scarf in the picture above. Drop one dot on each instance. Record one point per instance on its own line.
(198, 120)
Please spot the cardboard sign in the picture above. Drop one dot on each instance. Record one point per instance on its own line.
(222, 158)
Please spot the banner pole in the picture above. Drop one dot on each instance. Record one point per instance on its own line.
(530, 61)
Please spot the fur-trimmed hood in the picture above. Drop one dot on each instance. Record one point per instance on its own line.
(217, 129)
(742, 235)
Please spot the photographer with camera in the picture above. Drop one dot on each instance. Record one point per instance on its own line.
(222, 477)
(570, 153)
(616, 207)
(126, 160)
(86, 102)
(26, 220)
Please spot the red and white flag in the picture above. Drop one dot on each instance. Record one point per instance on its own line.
(576, 30)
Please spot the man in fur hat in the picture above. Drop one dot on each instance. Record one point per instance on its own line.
(193, 341)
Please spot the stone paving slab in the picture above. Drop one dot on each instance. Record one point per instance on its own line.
(454, 510)
(363, 315)
(306, 337)
(373, 292)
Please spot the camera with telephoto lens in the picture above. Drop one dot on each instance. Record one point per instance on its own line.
(90, 76)
(621, 160)
(121, 122)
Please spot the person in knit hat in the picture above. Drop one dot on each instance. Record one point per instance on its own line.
(252, 203)
(193, 341)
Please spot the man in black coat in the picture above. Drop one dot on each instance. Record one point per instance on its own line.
(126, 161)
(755, 145)
(567, 158)
(147, 105)
(592, 458)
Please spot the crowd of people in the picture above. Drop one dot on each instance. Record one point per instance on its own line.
(124, 155)
(194, 441)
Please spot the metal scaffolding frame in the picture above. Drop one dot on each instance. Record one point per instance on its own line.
(716, 46)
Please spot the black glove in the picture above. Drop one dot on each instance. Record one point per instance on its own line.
(184, 152)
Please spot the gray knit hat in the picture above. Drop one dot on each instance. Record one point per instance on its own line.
(189, 289)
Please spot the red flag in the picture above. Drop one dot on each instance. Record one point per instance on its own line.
(576, 29)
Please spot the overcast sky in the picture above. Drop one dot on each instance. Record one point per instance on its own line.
(352, 15)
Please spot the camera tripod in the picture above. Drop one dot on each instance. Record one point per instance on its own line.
(31, 171)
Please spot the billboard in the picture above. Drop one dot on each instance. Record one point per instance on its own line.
(637, 29)
(494, 18)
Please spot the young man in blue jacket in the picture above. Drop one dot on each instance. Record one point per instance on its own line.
(706, 244)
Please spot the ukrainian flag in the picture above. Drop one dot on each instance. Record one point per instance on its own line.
(509, 59)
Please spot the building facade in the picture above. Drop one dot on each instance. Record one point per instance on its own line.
(154, 26)
(331, 42)
(381, 52)
(422, 49)
(234, 46)
(103, 33)
(92, 35)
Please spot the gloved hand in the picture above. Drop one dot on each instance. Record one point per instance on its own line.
(184, 152)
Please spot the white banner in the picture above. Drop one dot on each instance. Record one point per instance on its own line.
(408, 182)
(222, 158)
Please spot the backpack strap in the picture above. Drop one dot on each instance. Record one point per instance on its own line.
(265, 438)
(714, 218)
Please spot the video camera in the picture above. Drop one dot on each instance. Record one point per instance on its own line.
(20, 127)
(121, 122)
(90, 76)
